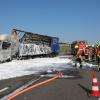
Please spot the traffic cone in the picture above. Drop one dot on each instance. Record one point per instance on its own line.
(95, 88)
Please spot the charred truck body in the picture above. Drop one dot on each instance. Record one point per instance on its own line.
(22, 44)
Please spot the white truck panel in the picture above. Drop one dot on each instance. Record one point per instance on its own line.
(33, 49)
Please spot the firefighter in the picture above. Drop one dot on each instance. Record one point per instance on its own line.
(76, 49)
(87, 53)
(96, 52)
(92, 53)
(78, 58)
(98, 57)
(80, 50)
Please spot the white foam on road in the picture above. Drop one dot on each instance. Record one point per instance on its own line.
(18, 68)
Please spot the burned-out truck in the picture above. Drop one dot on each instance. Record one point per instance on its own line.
(21, 44)
(8, 47)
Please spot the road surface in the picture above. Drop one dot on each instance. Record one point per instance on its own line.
(64, 89)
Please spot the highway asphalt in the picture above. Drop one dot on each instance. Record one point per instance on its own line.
(64, 89)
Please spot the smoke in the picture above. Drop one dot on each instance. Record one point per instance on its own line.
(3, 36)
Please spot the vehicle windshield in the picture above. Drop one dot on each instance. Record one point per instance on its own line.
(6, 45)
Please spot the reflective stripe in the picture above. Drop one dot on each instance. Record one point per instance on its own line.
(95, 88)
(94, 79)
(80, 49)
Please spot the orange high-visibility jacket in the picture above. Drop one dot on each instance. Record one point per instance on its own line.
(79, 52)
(87, 51)
(98, 54)
(96, 50)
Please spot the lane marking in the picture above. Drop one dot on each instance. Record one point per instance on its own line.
(98, 98)
(4, 89)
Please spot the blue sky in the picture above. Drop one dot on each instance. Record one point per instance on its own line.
(67, 19)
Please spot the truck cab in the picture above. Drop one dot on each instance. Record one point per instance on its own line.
(5, 51)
